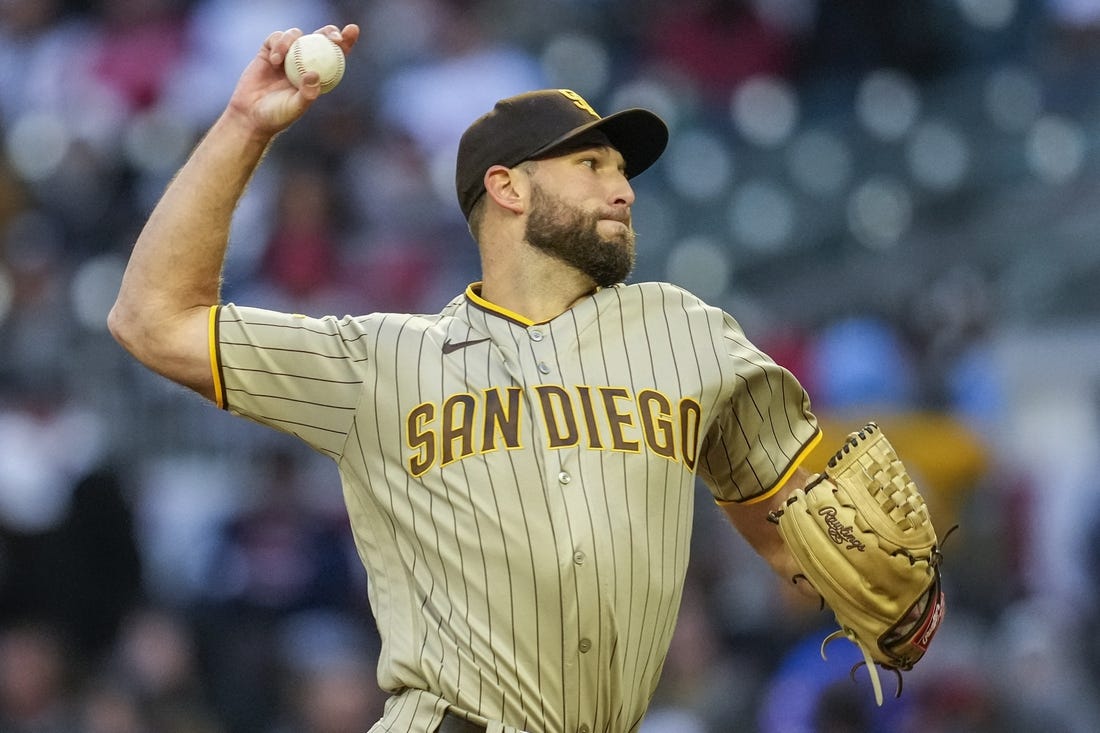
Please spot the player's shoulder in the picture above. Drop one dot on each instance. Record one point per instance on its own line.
(680, 302)
(407, 323)
(414, 319)
(365, 323)
(455, 309)
(670, 294)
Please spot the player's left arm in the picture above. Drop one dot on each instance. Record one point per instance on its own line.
(754, 453)
(750, 519)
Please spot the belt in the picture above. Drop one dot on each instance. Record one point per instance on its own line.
(456, 724)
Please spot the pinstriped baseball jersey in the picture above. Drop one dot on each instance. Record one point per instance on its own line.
(521, 494)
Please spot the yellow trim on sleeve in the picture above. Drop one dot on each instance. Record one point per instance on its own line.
(806, 449)
(215, 372)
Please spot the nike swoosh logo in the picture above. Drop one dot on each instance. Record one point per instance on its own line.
(450, 347)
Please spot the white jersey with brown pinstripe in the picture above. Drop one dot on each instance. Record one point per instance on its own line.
(521, 494)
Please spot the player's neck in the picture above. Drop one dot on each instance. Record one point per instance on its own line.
(538, 294)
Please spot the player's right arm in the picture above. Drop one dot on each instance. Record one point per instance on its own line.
(173, 278)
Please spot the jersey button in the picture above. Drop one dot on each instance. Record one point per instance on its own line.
(582, 729)
(544, 368)
(584, 646)
(564, 478)
(536, 335)
(578, 557)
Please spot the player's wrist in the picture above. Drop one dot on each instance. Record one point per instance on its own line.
(244, 127)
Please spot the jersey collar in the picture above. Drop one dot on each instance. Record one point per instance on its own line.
(473, 294)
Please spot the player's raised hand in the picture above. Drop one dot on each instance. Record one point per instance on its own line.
(265, 97)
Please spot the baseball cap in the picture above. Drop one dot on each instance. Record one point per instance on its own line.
(533, 124)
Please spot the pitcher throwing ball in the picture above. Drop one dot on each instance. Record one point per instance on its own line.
(518, 468)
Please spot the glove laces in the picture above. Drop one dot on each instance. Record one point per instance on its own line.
(868, 662)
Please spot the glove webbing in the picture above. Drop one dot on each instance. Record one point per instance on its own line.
(885, 480)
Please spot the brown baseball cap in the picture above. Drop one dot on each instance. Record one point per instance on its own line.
(532, 125)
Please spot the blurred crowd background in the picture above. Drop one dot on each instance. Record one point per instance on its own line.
(900, 201)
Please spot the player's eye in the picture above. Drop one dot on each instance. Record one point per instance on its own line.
(589, 162)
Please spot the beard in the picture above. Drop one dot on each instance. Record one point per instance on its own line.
(571, 235)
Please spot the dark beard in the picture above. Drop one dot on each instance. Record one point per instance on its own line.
(571, 236)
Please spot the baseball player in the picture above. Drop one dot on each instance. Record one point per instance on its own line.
(518, 468)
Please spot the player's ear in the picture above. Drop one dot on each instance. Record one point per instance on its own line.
(507, 187)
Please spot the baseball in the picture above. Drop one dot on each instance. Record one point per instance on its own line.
(314, 52)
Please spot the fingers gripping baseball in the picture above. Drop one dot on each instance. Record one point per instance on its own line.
(267, 96)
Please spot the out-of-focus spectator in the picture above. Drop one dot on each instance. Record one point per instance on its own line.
(694, 693)
(149, 30)
(47, 443)
(328, 665)
(155, 668)
(406, 253)
(1079, 14)
(49, 447)
(62, 122)
(98, 577)
(465, 72)
(35, 693)
(302, 257)
(849, 39)
(220, 35)
(862, 361)
(283, 554)
(715, 45)
(109, 707)
(32, 247)
(39, 46)
(809, 694)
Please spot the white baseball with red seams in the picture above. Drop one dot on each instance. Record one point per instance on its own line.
(315, 52)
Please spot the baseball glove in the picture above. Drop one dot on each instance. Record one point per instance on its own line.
(862, 537)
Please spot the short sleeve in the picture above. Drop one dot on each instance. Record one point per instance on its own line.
(300, 375)
(764, 428)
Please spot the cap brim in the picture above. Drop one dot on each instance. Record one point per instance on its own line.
(639, 135)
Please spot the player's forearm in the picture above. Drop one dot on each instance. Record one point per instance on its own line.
(752, 522)
(174, 273)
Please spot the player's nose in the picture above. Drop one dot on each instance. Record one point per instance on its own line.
(622, 193)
